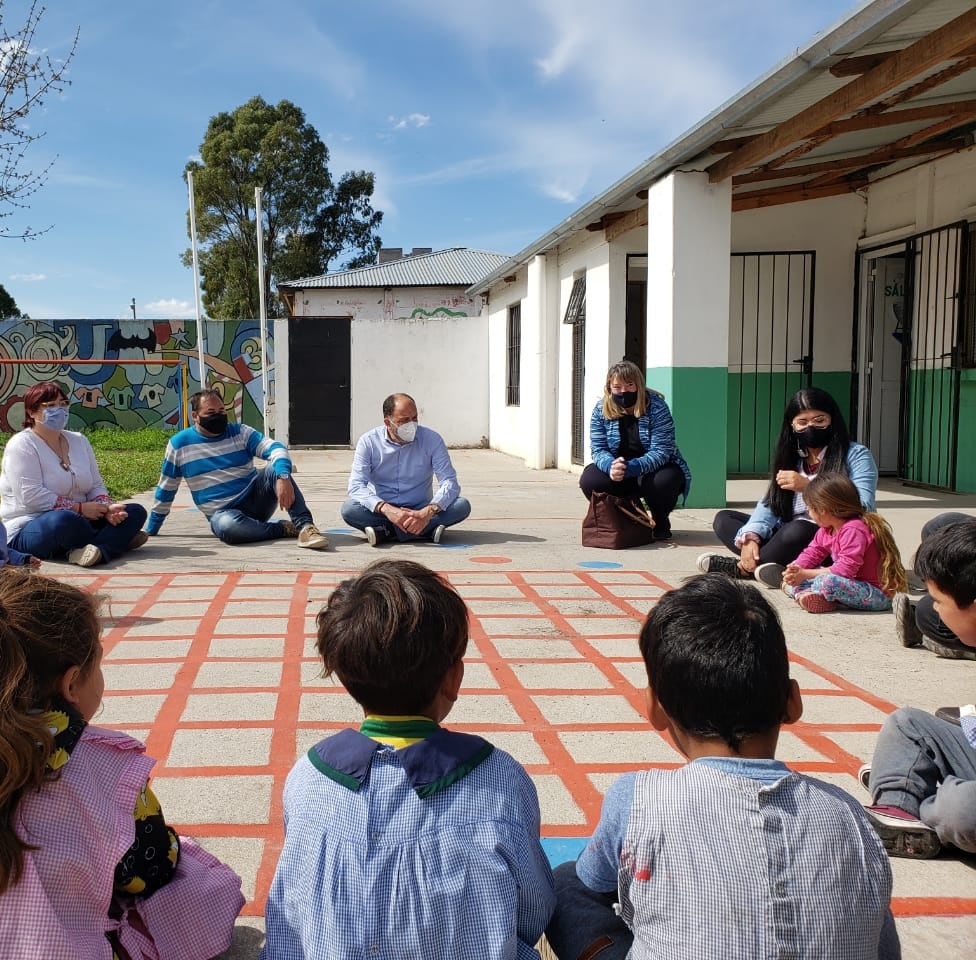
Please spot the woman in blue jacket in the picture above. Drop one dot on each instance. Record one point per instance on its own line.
(633, 449)
(813, 439)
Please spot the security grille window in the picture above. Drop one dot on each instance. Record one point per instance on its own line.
(576, 308)
(513, 376)
(576, 315)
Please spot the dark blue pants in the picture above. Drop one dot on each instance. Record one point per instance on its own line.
(51, 535)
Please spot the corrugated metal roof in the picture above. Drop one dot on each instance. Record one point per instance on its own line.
(798, 82)
(456, 267)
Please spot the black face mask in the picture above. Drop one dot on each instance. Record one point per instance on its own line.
(215, 423)
(624, 400)
(815, 438)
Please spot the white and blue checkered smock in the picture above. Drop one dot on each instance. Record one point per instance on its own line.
(711, 864)
(373, 867)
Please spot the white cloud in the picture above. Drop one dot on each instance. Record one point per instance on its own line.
(28, 277)
(169, 309)
(410, 120)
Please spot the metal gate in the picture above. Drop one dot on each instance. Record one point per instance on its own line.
(934, 284)
(770, 349)
(318, 381)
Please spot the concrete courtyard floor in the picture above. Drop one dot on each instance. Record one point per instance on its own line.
(209, 659)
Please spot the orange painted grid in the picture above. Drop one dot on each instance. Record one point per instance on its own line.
(594, 616)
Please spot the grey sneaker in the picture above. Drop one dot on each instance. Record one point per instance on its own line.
(950, 649)
(902, 834)
(312, 538)
(906, 629)
(86, 556)
(770, 574)
(138, 540)
(949, 714)
(438, 533)
(722, 563)
(291, 531)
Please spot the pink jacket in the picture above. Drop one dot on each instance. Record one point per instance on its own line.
(852, 551)
(82, 824)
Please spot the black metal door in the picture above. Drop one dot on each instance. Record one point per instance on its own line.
(318, 381)
(771, 300)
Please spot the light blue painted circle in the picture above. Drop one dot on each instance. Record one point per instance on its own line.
(599, 564)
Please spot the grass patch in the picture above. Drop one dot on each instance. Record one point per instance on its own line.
(129, 461)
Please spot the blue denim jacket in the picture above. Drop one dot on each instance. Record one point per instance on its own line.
(656, 429)
(863, 472)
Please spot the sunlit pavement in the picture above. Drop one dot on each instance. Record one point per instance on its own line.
(210, 660)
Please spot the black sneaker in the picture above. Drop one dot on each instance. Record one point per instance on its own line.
(722, 563)
(902, 834)
(949, 714)
(906, 629)
(662, 534)
(949, 649)
(770, 574)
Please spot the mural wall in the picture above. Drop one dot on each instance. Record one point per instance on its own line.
(129, 374)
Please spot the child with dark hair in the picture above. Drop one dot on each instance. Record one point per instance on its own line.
(923, 775)
(865, 565)
(732, 855)
(402, 838)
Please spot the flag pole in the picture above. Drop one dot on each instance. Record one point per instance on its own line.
(264, 311)
(196, 283)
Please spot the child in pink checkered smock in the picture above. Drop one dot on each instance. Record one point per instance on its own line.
(89, 869)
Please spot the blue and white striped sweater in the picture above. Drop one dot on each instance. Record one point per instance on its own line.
(218, 470)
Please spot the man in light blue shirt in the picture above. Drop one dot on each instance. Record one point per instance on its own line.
(391, 489)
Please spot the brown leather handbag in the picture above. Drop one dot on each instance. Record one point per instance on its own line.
(616, 523)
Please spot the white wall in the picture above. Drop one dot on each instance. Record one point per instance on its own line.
(927, 197)
(512, 429)
(832, 227)
(429, 342)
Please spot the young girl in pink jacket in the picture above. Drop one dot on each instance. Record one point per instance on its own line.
(865, 566)
(89, 869)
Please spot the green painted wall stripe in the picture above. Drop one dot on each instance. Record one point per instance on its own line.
(697, 397)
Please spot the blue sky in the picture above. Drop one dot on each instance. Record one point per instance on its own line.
(485, 122)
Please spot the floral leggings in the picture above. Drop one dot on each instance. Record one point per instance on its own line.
(856, 594)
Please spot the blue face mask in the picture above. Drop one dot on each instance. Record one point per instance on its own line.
(55, 418)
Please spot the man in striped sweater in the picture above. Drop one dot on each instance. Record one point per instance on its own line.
(216, 458)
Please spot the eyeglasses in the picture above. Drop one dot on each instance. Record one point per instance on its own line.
(53, 403)
(801, 423)
(399, 422)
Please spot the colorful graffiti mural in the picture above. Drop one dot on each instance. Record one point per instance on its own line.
(129, 374)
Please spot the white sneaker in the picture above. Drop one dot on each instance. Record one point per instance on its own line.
(86, 556)
(438, 533)
(312, 538)
(372, 537)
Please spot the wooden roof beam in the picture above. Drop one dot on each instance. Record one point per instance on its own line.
(855, 66)
(626, 223)
(946, 43)
(758, 199)
(895, 151)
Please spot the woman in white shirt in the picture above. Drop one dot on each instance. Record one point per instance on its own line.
(54, 502)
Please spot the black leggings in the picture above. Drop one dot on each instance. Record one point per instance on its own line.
(660, 489)
(784, 546)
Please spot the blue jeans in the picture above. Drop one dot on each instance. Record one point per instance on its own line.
(360, 517)
(246, 520)
(51, 535)
(584, 922)
(925, 765)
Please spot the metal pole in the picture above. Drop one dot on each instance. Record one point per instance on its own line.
(264, 311)
(196, 283)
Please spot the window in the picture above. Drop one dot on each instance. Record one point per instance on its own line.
(513, 375)
(576, 308)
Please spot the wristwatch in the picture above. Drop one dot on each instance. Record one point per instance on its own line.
(435, 509)
(284, 476)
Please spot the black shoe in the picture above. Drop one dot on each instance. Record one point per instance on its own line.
(906, 629)
(770, 574)
(949, 714)
(662, 533)
(949, 649)
(722, 563)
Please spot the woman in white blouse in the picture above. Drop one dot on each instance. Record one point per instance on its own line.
(54, 502)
